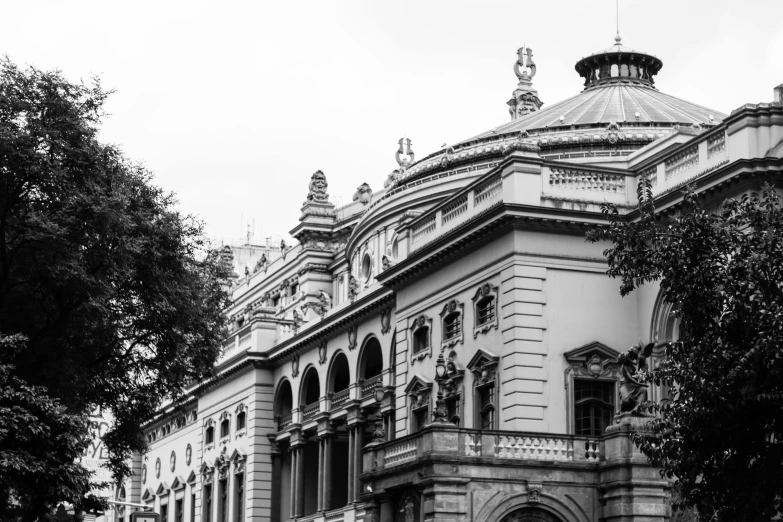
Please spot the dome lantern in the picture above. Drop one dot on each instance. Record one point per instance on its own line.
(618, 64)
(524, 100)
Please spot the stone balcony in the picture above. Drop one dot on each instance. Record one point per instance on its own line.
(482, 447)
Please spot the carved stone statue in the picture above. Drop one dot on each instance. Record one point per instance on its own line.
(632, 392)
(326, 301)
(298, 318)
(353, 288)
(363, 194)
(318, 187)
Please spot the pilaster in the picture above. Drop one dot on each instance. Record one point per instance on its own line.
(523, 371)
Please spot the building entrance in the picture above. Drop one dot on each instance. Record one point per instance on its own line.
(529, 514)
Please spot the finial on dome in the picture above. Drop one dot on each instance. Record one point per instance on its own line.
(525, 98)
(617, 39)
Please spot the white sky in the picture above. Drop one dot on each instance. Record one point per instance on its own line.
(233, 105)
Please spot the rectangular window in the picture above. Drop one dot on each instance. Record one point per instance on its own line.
(223, 501)
(240, 497)
(486, 396)
(224, 427)
(276, 301)
(241, 421)
(193, 507)
(421, 417)
(453, 325)
(207, 502)
(421, 339)
(486, 311)
(453, 407)
(593, 406)
(164, 513)
(178, 510)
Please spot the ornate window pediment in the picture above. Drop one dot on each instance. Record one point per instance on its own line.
(238, 459)
(420, 338)
(420, 392)
(192, 478)
(207, 472)
(178, 484)
(483, 365)
(593, 360)
(163, 489)
(451, 319)
(148, 495)
(485, 309)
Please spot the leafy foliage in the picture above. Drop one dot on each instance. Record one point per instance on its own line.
(117, 293)
(720, 432)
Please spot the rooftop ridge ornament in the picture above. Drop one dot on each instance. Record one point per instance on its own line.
(404, 163)
(524, 100)
(525, 60)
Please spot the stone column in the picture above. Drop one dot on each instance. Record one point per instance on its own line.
(351, 445)
(292, 507)
(319, 504)
(327, 484)
(277, 473)
(357, 461)
(300, 497)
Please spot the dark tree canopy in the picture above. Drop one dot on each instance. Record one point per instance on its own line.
(116, 292)
(719, 434)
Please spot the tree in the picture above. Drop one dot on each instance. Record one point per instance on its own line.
(719, 434)
(117, 294)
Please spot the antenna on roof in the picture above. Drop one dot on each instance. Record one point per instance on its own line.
(617, 13)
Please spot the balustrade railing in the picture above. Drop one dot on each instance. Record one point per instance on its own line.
(455, 209)
(683, 161)
(400, 452)
(369, 385)
(310, 410)
(283, 421)
(498, 446)
(488, 191)
(573, 179)
(716, 144)
(340, 397)
(423, 228)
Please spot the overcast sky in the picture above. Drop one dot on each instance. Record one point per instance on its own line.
(233, 105)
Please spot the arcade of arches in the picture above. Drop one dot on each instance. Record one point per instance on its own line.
(322, 464)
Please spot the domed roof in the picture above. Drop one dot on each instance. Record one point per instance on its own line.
(616, 102)
(619, 88)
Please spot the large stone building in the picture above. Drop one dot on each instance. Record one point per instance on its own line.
(445, 348)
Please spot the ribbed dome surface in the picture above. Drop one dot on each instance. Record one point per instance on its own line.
(605, 104)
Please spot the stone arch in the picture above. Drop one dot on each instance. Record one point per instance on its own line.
(284, 398)
(371, 363)
(501, 506)
(408, 507)
(310, 387)
(393, 359)
(664, 325)
(339, 374)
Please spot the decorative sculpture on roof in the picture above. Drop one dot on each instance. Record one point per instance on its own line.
(318, 187)
(632, 392)
(404, 163)
(353, 288)
(363, 194)
(525, 67)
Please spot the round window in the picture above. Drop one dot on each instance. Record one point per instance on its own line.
(366, 267)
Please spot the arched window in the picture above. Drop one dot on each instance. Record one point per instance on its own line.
(209, 436)
(451, 324)
(339, 381)
(241, 420)
(485, 309)
(310, 394)
(284, 404)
